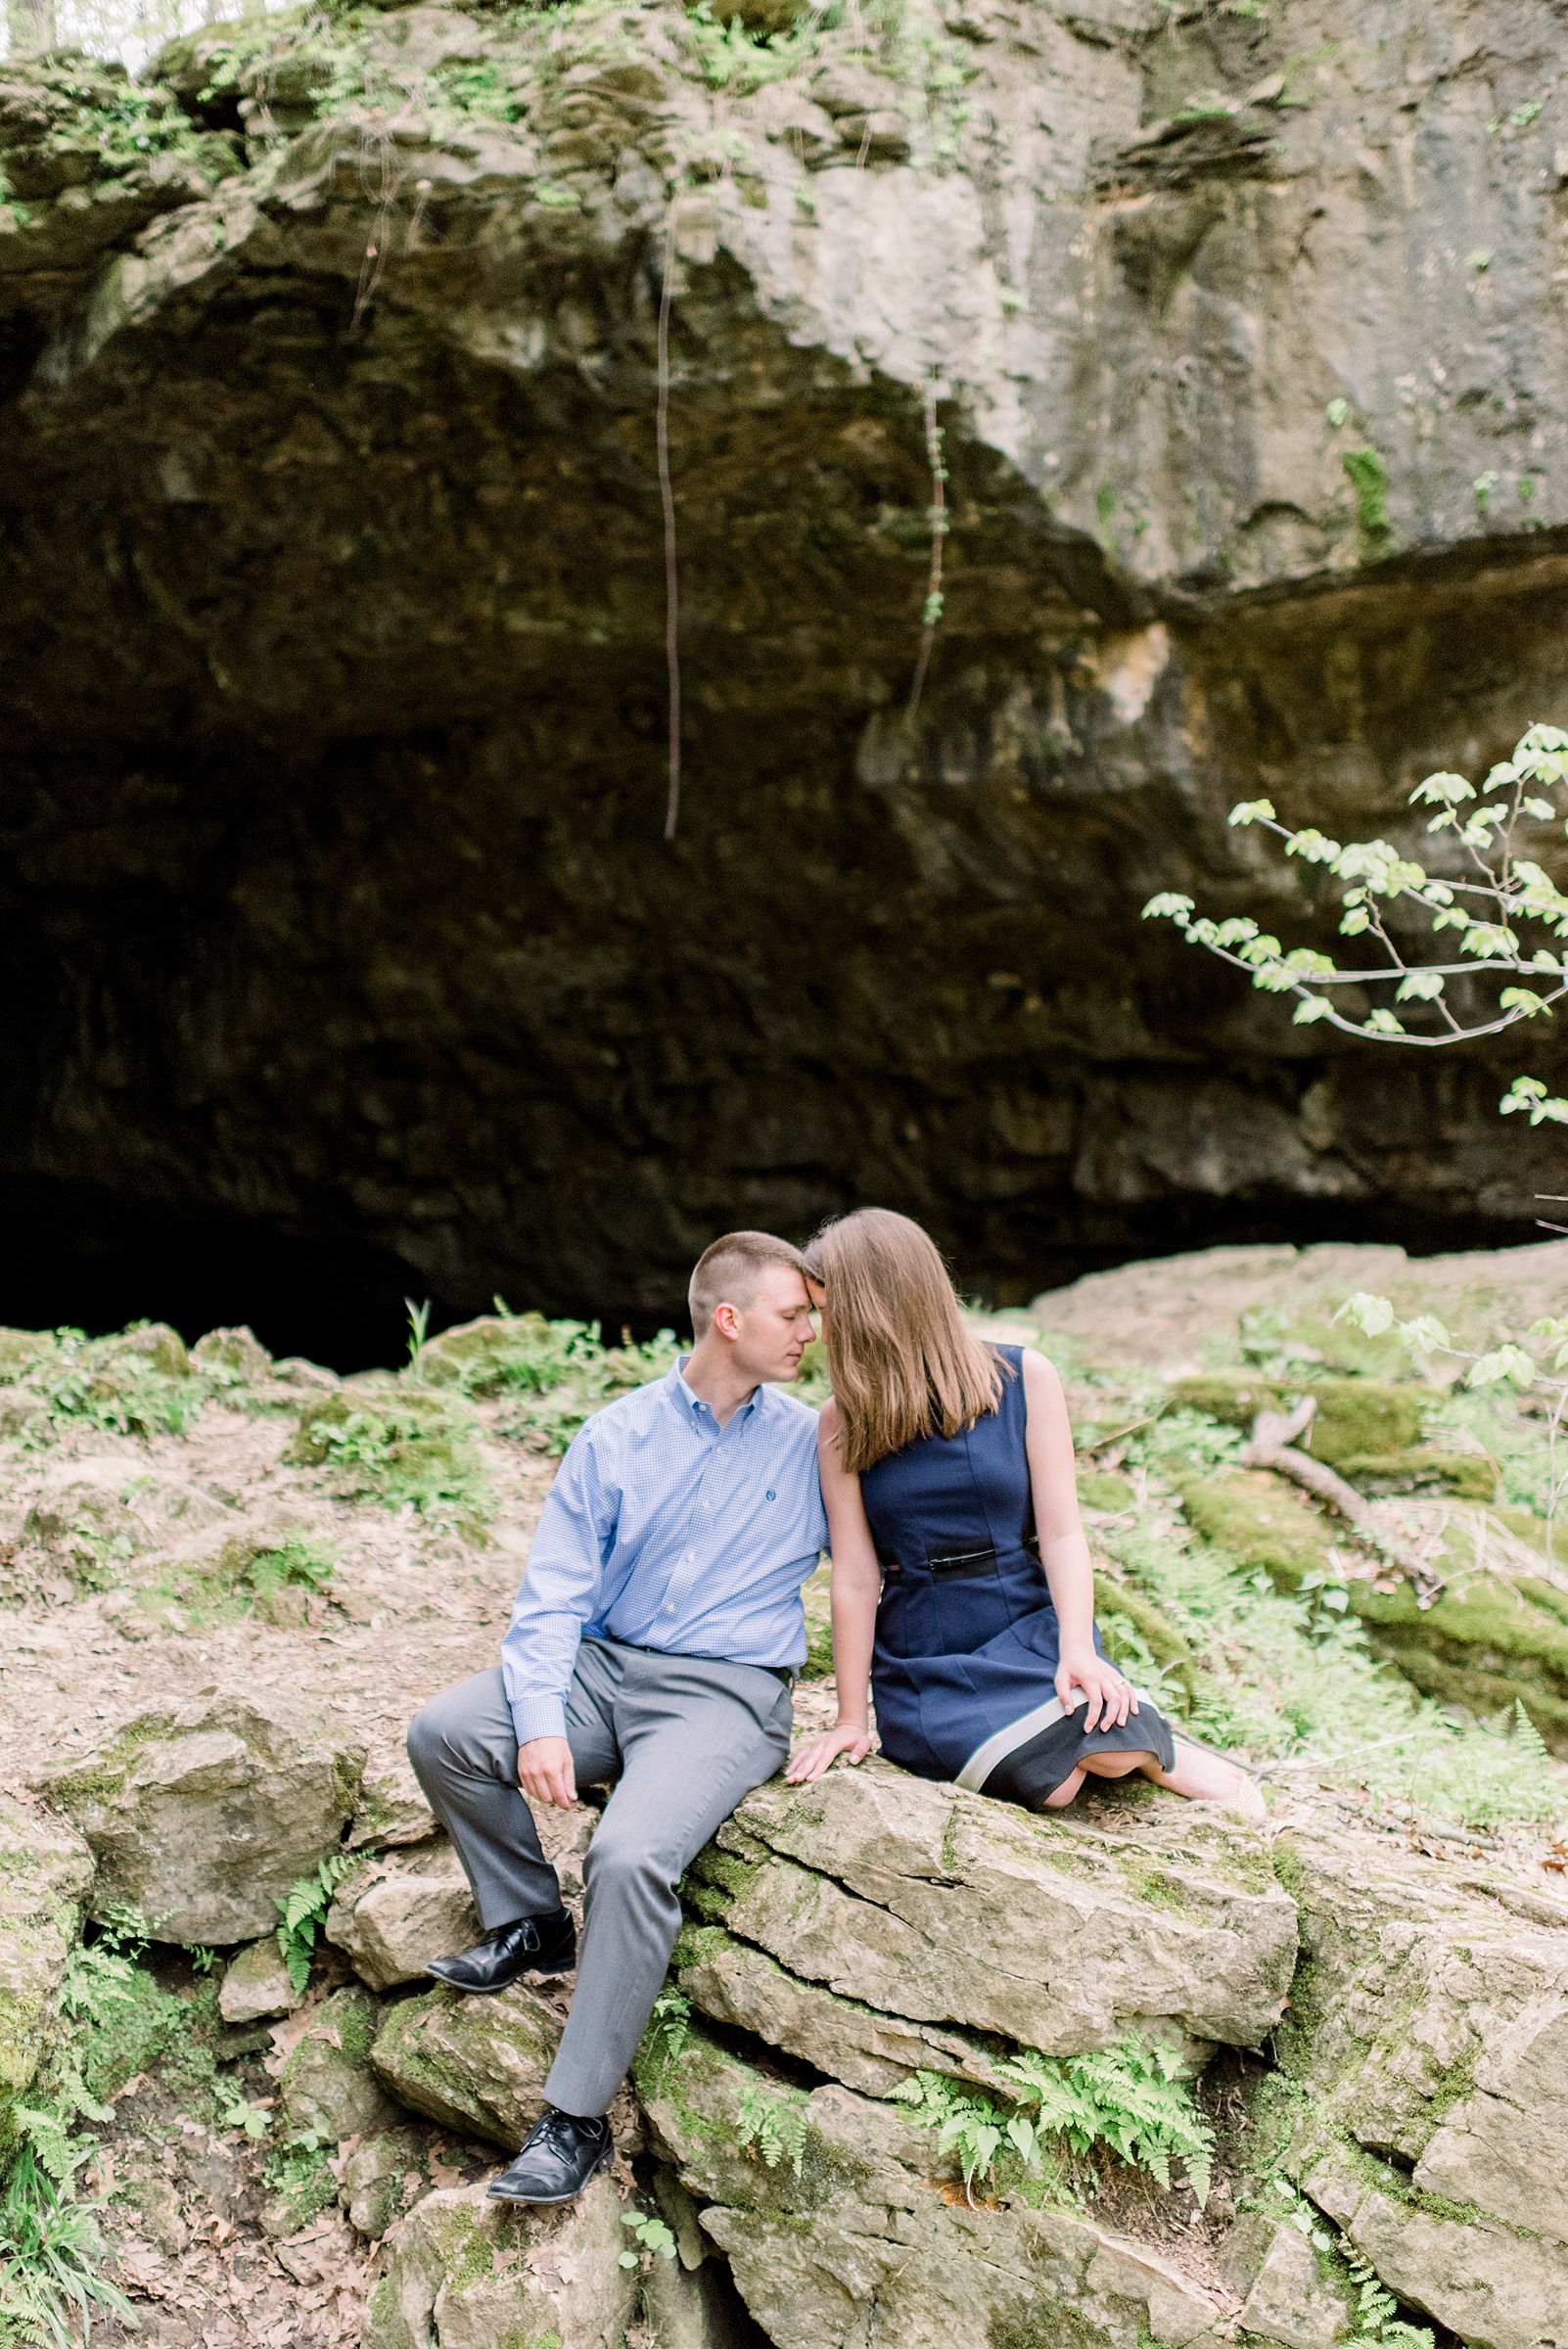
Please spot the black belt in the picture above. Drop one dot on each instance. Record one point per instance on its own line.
(677, 1655)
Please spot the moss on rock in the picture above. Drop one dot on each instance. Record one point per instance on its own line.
(1258, 1522)
(1355, 1417)
(477, 2064)
(1114, 1600)
(1491, 1646)
(46, 1873)
(1467, 1475)
(327, 2086)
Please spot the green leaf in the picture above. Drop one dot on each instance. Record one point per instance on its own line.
(1253, 812)
(1443, 790)
(1424, 1335)
(1373, 1315)
(1315, 846)
(1507, 1362)
(1310, 1008)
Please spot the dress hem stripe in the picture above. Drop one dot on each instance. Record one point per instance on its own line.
(997, 1748)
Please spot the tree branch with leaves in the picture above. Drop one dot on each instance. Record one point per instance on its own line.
(1502, 907)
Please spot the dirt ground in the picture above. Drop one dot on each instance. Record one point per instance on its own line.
(413, 1608)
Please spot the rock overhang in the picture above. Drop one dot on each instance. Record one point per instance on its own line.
(359, 629)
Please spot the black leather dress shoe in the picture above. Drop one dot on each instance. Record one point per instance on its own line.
(560, 2157)
(530, 1945)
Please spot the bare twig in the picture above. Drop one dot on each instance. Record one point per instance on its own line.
(666, 496)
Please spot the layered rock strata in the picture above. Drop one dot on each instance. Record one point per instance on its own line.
(332, 602)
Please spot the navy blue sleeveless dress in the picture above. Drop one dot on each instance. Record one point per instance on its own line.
(964, 1665)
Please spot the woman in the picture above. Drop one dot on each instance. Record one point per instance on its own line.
(948, 1473)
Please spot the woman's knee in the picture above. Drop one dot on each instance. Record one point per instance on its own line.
(1116, 1766)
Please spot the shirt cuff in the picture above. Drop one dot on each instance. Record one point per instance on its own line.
(538, 1717)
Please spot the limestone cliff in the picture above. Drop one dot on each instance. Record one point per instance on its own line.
(332, 611)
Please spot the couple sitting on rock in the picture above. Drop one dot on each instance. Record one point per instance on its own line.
(659, 1629)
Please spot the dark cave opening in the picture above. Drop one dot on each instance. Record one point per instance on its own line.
(96, 1261)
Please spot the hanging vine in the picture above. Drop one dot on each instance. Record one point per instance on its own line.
(932, 613)
(668, 498)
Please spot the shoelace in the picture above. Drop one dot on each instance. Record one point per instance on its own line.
(561, 2130)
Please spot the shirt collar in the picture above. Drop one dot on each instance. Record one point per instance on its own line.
(695, 1410)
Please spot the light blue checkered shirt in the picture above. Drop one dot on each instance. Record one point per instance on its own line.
(667, 1531)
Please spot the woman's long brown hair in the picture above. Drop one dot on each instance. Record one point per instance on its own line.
(902, 1362)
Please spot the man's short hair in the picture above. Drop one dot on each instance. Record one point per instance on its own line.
(731, 1272)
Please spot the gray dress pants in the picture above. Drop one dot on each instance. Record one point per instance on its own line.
(684, 1738)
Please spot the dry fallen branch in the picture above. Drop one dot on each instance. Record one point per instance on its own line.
(1273, 1446)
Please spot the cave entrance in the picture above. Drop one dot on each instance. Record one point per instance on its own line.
(96, 1259)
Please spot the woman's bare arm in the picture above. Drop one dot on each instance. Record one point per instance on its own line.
(856, 1589)
(1064, 1552)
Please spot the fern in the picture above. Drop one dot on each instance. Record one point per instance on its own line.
(775, 2126)
(1376, 2309)
(670, 2027)
(1131, 2099)
(302, 1912)
(1379, 2322)
(1527, 1741)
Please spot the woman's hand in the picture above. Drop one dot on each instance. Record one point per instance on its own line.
(1110, 1695)
(813, 1761)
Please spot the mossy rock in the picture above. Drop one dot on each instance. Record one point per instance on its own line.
(231, 1353)
(1526, 1526)
(476, 2065)
(1113, 1600)
(1467, 1475)
(384, 2176)
(327, 2086)
(21, 1350)
(759, 15)
(474, 1355)
(45, 1871)
(1355, 1417)
(325, 1414)
(1485, 1647)
(1101, 1489)
(1260, 1522)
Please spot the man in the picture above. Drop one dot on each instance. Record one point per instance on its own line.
(653, 1642)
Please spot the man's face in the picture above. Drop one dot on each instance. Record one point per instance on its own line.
(772, 1332)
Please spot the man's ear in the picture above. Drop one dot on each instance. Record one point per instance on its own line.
(726, 1321)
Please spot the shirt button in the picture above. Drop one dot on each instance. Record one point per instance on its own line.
(705, 1504)
(691, 1557)
(670, 1610)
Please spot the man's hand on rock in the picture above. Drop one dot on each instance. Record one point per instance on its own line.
(545, 1774)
